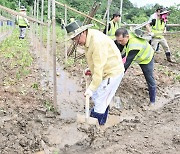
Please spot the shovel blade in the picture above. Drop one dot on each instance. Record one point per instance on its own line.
(90, 120)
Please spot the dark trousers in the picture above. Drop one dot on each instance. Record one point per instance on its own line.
(148, 74)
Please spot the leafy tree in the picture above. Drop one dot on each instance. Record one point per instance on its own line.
(131, 14)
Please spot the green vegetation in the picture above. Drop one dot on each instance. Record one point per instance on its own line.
(131, 14)
(49, 106)
(16, 54)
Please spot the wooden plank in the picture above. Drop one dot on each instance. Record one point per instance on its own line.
(81, 13)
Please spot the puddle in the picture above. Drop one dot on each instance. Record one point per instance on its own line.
(68, 135)
(170, 93)
(69, 99)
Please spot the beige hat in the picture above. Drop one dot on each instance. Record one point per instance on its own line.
(75, 28)
(22, 8)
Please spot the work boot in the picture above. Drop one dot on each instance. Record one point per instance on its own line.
(168, 56)
(152, 94)
(101, 117)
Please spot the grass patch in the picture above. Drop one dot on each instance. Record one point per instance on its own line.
(15, 55)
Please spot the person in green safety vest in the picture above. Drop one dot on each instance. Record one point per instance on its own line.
(22, 22)
(156, 29)
(140, 51)
(113, 25)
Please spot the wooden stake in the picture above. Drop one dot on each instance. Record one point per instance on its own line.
(37, 16)
(54, 53)
(34, 26)
(65, 35)
(121, 4)
(108, 7)
(49, 29)
(41, 27)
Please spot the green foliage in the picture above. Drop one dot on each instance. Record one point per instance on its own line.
(17, 54)
(177, 77)
(49, 106)
(35, 86)
(131, 14)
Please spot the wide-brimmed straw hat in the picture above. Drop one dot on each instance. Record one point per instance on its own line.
(75, 28)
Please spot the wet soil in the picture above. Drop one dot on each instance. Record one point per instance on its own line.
(29, 124)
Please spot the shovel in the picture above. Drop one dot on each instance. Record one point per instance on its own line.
(86, 118)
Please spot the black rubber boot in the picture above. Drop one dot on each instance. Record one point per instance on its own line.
(152, 94)
(168, 56)
(101, 117)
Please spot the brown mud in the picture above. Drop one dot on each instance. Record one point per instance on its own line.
(28, 123)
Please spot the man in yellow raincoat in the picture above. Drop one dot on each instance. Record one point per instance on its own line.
(105, 63)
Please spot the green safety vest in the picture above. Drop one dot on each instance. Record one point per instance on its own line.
(114, 27)
(158, 28)
(21, 21)
(145, 53)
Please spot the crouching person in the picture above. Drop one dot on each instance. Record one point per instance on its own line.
(140, 51)
(105, 63)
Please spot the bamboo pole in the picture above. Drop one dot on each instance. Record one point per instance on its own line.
(83, 14)
(108, 7)
(54, 54)
(31, 26)
(17, 13)
(34, 26)
(37, 16)
(41, 27)
(65, 52)
(49, 29)
(37, 9)
(121, 5)
(19, 4)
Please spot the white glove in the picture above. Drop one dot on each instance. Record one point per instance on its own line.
(151, 34)
(88, 92)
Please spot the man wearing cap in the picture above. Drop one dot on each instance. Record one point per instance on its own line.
(156, 29)
(113, 26)
(22, 22)
(105, 63)
(140, 51)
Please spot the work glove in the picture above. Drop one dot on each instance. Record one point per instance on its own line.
(87, 71)
(151, 34)
(88, 92)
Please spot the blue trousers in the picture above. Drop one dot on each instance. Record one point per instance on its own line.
(148, 74)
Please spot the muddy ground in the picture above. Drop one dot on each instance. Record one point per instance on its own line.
(29, 124)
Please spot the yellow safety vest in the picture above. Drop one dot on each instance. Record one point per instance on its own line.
(158, 28)
(145, 53)
(21, 21)
(114, 27)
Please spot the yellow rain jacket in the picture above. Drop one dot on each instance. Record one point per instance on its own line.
(103, 57)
